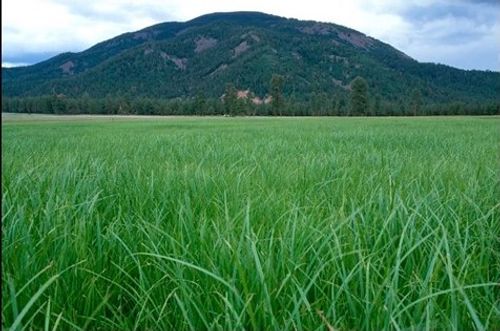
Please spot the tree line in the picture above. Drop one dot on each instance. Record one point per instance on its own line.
(358, 102)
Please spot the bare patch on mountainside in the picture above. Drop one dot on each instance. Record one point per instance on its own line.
(181, 63)
(241, 48)
(203, 43)
(219, 69)
(249, 95)
(252, 35)
(242, 94)
(67, 67)
(318, 29)
(335, 42)
(339, 59)
(145, 35)
(356, 39)
(340, 83)
(141, 35)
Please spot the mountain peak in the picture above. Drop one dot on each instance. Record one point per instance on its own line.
(202, 55)
(243, 17)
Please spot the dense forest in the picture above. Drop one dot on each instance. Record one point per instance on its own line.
(185, 68)
(321, 104)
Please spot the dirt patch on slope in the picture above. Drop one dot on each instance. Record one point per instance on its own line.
(241, 48)
(67, 67)
(203, 43)
(181, 63)
(356, 39)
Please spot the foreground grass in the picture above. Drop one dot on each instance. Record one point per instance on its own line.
(308, 224)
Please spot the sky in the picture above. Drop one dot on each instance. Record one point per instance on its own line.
(460, 33)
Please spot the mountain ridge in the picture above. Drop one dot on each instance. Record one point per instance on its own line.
(183, 59)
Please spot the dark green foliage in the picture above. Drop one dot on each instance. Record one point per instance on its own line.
(377, 107)
(416, 102)
(320, 104)
(200, 104)
(359, 97)
(231, 100)
(246, 49)
(276, 92)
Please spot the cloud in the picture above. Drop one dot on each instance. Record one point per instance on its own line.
(462, 33)
(25, 58)
(114, 11)
(35, 26)
(14, 64)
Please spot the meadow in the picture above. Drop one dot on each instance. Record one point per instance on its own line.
(250, 223)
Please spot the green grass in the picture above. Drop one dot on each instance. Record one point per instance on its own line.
(229, 223)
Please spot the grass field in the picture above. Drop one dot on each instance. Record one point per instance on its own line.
(251, 223)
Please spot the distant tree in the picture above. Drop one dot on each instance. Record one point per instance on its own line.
(377, 107)
(342, 107)
(6, 105)
(230, 100)
(276, 92)
(124, 105)
(217, 107)
(416, 102)
(320, 103)
(45, 104)
(85, 101)
(200, 104)
(403, 108)
(58, 104)
(359, 97)
(144, 106)
(110, 105)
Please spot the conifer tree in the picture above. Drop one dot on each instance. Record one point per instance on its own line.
(276, 92)
(359, 97)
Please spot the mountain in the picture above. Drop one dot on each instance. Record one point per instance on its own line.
(179, 59)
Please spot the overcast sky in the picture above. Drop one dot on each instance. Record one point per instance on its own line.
(460, 33)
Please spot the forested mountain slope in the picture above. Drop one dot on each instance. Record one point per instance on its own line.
(177, 59)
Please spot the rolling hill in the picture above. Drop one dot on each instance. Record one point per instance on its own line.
(180, 59)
